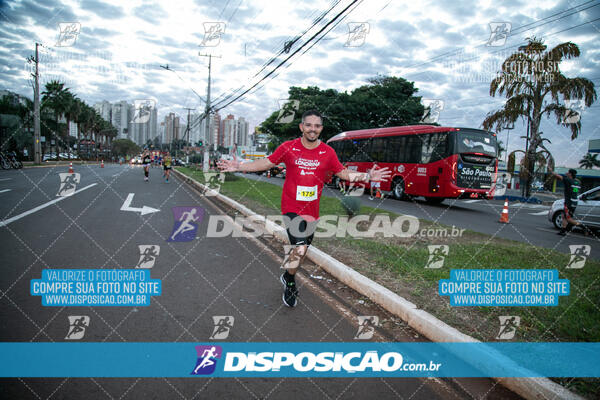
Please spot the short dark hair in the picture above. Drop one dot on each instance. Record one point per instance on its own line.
(573, 172)
(311, 112)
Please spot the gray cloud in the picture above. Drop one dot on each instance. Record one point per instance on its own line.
(103, 10)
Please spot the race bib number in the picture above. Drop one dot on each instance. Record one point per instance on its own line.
(306, 193)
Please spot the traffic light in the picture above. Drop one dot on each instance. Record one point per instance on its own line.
(200, 143)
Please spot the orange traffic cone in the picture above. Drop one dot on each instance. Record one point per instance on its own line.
(102, 164)
(268, 173)
(378, 194)
(70, 167)
(504, 215)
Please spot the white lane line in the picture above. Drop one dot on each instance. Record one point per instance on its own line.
(5, 190)
(540, 213)
(5, 179)
(471, 201)
(26, 213)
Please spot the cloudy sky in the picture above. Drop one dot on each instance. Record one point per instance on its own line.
(445, 48)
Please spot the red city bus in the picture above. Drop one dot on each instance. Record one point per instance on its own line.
(431, 161)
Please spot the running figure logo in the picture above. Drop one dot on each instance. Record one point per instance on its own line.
(355, 189)
(143, 110)
(366, 326)
(213, 180)
(287, 110)
(68, 33)
(437, 255)
(502, 181)
(148, 254)
(223, 323)
(574, 110)
(579, 253)
(212, 33)
(357, 33)
(68, 184)
(77, 325)
(499, 32)
(290, 255)
(186, 224)
(207, 359)
(433, 108)
(508, 327)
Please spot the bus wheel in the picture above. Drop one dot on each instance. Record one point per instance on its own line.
(398, 189)
(434, 200)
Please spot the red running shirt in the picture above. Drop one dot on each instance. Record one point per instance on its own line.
(306, 173)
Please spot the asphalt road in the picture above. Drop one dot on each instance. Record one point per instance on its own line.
(528, 223)
(205, 277)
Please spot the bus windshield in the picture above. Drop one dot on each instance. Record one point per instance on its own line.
(472, 141)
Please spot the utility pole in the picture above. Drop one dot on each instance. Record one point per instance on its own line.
(37, 145)
(207, 112)
(187, 129)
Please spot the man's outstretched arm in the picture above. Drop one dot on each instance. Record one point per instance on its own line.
(236, 165)
(559, 177)
(374, 174)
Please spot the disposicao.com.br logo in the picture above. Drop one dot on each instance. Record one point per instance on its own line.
(285, 363)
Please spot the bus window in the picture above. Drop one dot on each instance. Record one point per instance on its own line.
(413, 150)
(377, 152)
(394, 149)
(360, 150)
(426, 148)
(347, 151)
(438, 146)
(470, 141)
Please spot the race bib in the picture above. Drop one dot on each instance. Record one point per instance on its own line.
(306, 193)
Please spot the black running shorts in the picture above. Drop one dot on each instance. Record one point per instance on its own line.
(299, 231)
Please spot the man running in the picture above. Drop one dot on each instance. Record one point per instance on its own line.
(167, 166)
(309, 163)
(572, 187)
(146, 161)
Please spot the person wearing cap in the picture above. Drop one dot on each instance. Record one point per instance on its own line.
(572, 187)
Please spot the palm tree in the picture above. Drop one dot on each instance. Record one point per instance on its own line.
(589, 161)
(533, 85)
(57, 98)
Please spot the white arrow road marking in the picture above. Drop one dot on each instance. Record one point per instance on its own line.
(5, 190)
(26, 213)
(144, 210)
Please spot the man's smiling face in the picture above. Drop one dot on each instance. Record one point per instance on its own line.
(311, 128)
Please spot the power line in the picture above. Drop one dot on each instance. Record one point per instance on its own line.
(311, 46)
(218, 106)
(274, 58)
(515, 46)
(511, 33)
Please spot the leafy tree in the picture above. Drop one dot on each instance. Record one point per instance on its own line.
(501, 149)
(533, 84)
(56, 99)
(385, 101)
(589, 161)
(124, 147)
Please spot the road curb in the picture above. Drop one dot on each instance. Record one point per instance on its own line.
(423, 322)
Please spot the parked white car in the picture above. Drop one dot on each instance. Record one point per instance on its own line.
(587, 210)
